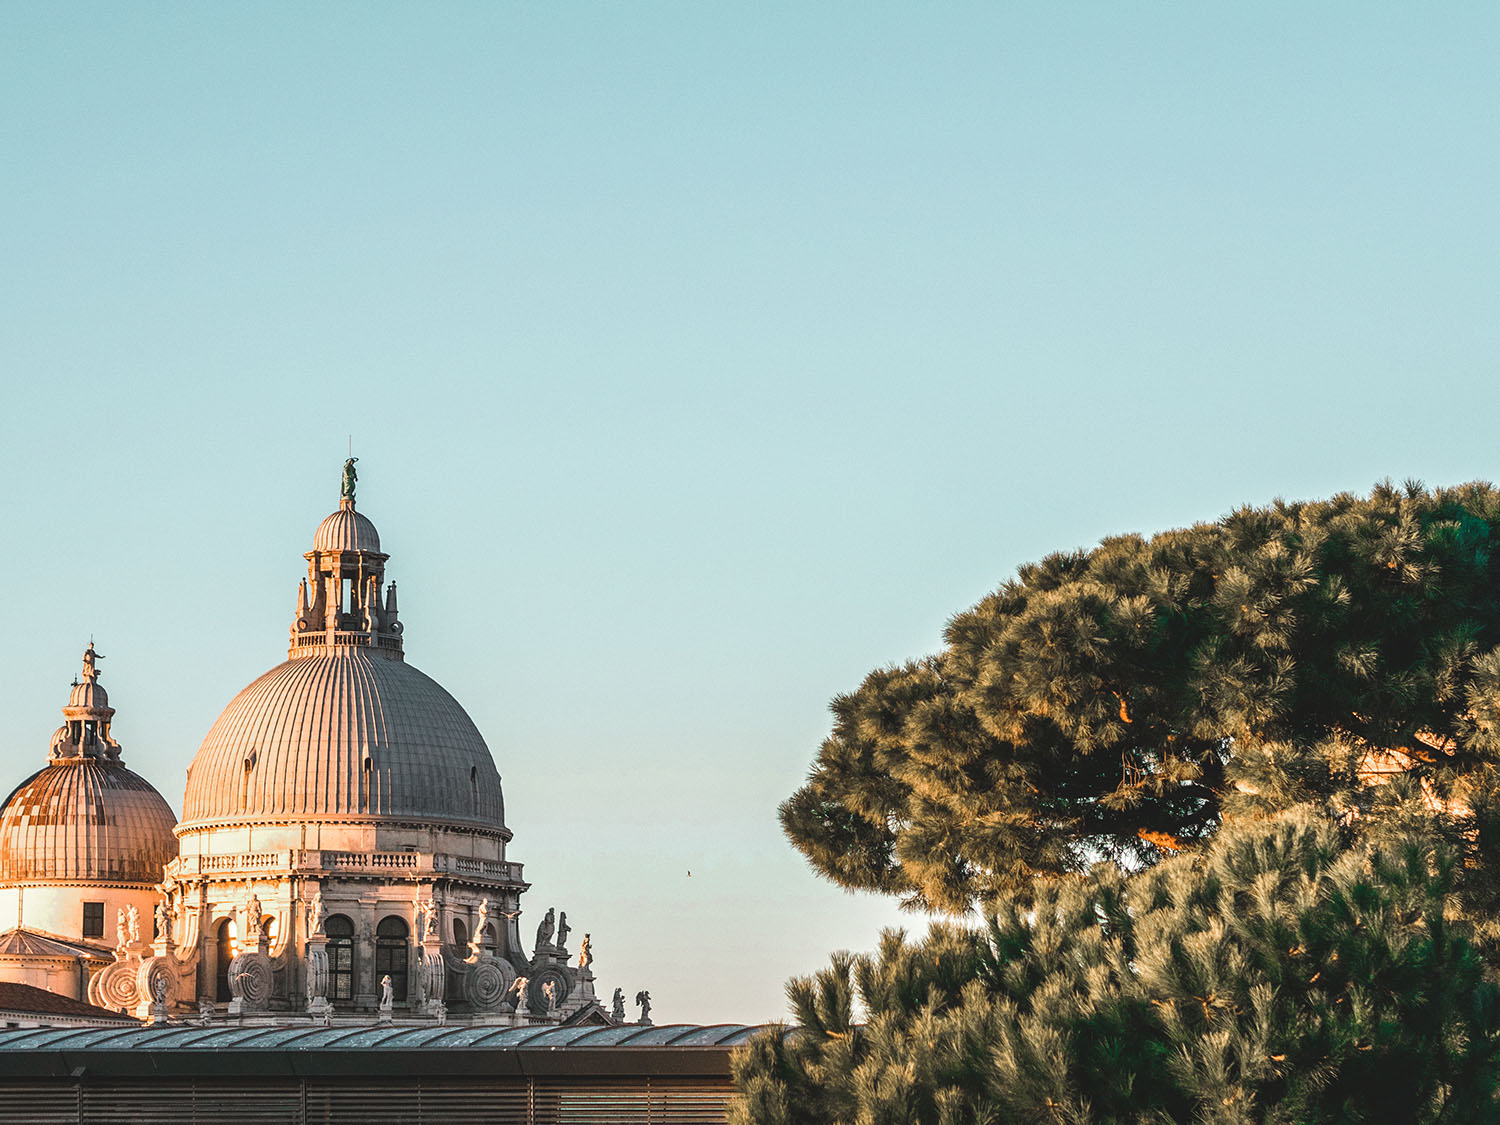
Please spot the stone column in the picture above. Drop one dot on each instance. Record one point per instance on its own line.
(315, 964)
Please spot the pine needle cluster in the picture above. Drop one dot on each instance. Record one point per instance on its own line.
(1281, 974)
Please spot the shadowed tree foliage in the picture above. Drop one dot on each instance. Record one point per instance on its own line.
(1282, 974)
(1120, 703)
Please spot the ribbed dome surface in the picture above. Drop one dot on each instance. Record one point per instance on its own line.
(86, 820)
(346, 530)
(89, 693)
(294, 744)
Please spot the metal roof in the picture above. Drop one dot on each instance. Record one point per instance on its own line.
(176, 1037)
(377, 1051)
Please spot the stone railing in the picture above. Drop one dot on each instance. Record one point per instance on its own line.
(494, 869)
(404, 864)
(246, 861)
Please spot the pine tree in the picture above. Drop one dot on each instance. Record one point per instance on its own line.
(1288, 972)
(1228, 799)
(1120, 702)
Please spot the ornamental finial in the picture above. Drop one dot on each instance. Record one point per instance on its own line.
(350, 476)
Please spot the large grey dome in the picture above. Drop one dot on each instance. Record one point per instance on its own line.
(343, 736)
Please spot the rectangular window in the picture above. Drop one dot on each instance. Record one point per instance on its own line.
(340, 969)
(93, 919)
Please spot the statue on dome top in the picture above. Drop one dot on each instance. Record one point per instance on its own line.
(350, 477)
(90, 669)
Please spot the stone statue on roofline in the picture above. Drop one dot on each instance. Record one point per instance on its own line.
(547, 928)
(585, 954)
(350, 477)
(643, 1000)
(617, 1006)
(315, 912)
(519, 988)
(563, 929)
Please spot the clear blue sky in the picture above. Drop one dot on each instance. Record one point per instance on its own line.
(699, 358)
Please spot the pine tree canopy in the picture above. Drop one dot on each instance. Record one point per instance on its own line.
(1282, 974)
(1121, 703)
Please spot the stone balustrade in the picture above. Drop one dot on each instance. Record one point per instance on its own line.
(305, 861)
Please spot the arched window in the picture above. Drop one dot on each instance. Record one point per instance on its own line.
(460, 933)
(224, 953)
(340, 933)
(391, 955)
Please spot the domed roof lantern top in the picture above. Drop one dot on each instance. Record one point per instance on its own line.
(344, 601)
(85, 730)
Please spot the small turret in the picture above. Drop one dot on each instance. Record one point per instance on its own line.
(339, 604)
(86, 718)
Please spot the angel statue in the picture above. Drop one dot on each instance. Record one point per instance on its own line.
(519, 988)
(643, 998)
(549, 990)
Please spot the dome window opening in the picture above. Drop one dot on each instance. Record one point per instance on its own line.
(225, 947)
(340, 933)
(474, 787)
(392, 954)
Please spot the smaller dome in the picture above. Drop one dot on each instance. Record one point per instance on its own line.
(346, 530)
(89, 694)
(86, 820)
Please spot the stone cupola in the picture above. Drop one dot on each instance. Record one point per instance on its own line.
(344, 601)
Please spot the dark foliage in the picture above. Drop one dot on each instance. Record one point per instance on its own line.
(1280, 975)
(1120, 703)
